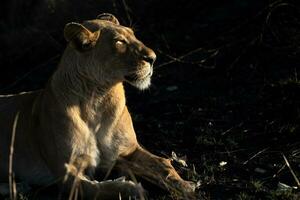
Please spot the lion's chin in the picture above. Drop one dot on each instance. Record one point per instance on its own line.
(140, 84)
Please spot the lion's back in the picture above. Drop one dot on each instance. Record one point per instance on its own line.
(10, 105)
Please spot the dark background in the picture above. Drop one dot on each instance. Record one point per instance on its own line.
(226, 83)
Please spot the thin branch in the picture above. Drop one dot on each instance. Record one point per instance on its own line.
(181, 58)
(281, 168)
(230, 129)
(109, 170)
(29, 72)
(291, 170)
(12, 183)
(127, 9)
(255, 155)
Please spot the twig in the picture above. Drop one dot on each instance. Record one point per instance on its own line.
(114, 5)
(41, 188)
(291, 170)
(28, 73)
(227, 152)
(255, 155)
(76, 167)
(180, 59)
(281, 168)
(127, 9)
(12, 183)
(243, 52)
(230, 129)
(109, 170)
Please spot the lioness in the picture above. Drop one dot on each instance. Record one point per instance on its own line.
(80, 123)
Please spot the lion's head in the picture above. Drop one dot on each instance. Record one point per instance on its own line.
(107, 51)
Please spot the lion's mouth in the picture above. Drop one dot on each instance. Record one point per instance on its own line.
(137, 77)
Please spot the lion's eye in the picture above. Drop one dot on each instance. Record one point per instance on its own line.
(121, 45)
(120, 42)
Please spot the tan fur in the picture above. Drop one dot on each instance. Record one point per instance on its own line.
(80, 121)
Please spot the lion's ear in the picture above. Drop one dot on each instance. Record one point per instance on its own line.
(80, 37)
(108, 17)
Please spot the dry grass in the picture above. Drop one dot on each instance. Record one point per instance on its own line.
(12, 183)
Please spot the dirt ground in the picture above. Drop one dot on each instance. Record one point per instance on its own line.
(225, 92)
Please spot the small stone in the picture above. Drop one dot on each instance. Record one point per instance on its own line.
(222, 163)
(172, 88)
(260, 170)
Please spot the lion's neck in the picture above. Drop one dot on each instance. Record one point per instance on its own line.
(98, 104)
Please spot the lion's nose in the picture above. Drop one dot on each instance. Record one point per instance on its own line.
(150, 58)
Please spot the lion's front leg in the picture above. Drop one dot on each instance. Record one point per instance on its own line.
(75, 184)
(104, 190)
(157, 170)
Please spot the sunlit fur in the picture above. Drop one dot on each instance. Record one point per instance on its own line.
(142, 84)
(80, 121)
